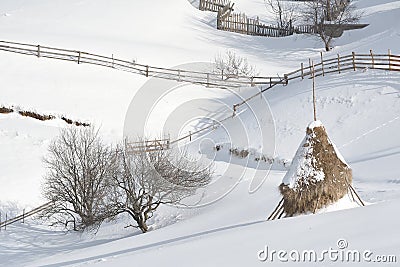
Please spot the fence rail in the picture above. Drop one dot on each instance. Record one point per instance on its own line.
(209, 79)
(23, 216)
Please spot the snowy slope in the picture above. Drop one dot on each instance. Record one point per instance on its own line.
(360, 111)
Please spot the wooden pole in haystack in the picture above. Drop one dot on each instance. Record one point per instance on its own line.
(313, 91)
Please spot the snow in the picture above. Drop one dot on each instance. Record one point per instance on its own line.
(314, 124)
(303, 168)
(359, 109)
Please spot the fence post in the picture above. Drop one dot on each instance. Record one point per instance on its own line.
(190, 136)
(38, 51)
(252, 81)
(208, 79)
(23, 216)
(179, 75)
(354, 58)
(390, 65)
(372, 57)
(5, 225)
(112, 56)
(338, 62)
(79, 57)
(222, 74)
(322, 65)
(147, 71)
(302, 70)
(286, 79)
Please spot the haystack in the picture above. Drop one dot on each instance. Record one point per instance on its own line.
(318, 176)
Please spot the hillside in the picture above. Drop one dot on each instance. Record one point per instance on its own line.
(360, 110)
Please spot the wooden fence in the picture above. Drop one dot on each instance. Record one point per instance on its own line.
(340, 64)
(147, 145)
(241, 23)
(208, 79)
(24, 215)
(214, 5)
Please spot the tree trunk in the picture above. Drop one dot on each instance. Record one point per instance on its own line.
(142, 225)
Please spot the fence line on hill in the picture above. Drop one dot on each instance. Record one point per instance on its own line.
(24, 215)
(241, 23)
(338, 64)
(208, 79)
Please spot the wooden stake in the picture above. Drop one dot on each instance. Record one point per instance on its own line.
(79, 57)
(354, 191)
(390, 65)
(354, 60)
(372, 58)
(302, 70)
(313, 83)
(38, 51)
(276, 209)
(338, 62)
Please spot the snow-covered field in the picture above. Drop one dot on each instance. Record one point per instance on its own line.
(360, 110)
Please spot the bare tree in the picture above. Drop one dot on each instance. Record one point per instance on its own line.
(148, 179)
(231, 65)
(283, 11)
(79, 168)
(328, 18)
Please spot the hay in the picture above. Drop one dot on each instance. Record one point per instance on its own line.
(318, 176)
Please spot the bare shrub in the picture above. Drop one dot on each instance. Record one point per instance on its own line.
(231, 65)
(80, 167)
(148, 179)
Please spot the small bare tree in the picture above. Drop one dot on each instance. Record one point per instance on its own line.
(79, 168)
(231, 65)
(148, 179)
(328, 18)
(283, 11)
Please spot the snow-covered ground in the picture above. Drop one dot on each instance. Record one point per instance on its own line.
(360, 110)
